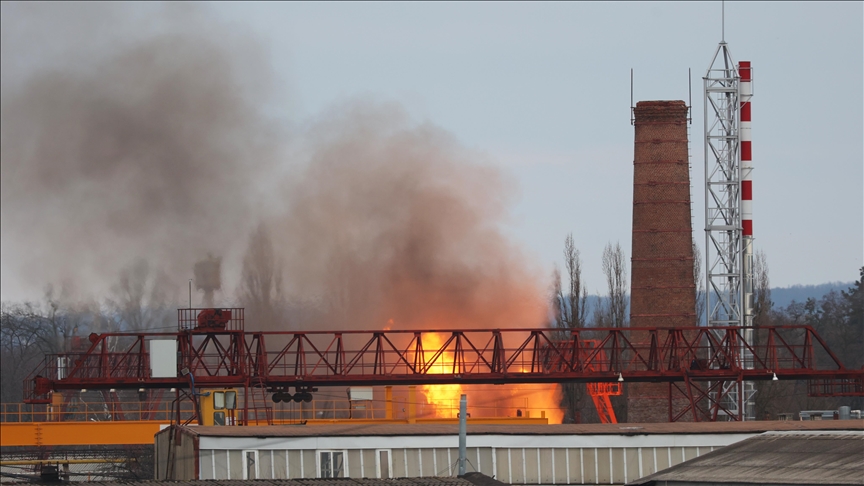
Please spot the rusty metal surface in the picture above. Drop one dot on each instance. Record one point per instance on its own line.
(353, 430)
(817, 457)
(693, 361)
(349, 358)
(427, 481)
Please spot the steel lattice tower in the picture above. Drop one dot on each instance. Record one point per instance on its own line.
(728, 211)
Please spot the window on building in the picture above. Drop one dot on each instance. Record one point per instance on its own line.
(384, 464)
(331, 464)
(250, 465)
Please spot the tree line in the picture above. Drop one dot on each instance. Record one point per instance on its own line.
(838, 317)
(569, 304)
(142, 298)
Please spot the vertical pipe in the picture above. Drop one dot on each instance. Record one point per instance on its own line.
(707, 207)
(463, 432)
(412, 401)
(388, 401)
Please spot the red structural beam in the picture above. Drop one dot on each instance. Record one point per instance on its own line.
(233, 357)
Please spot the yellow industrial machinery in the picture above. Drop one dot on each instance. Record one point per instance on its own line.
(219, 407)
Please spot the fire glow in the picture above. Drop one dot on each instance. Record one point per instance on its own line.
(532, 401)
(441, 397)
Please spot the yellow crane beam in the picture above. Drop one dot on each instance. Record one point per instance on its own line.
(78, 433)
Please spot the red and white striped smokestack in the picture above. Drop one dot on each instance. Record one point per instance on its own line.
(746, 92)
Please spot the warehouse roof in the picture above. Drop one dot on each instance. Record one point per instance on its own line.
(365, 429)
(471, 479)
(789, 457)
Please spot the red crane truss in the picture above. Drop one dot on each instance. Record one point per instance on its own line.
(693, 360)
(600, 392)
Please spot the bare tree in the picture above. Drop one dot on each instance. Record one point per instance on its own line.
(261, 280)
(769, 395)
(569, 313)
(699, 284)
(20, 347)
(762, 303)
(615, 270)
(139, 299)
(62, 318)
(29, 331)
(572, 306)
(613, 313)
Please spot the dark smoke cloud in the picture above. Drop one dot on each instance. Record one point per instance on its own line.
(398, 225)
(123, 145)
(139, 145)
(152, 143)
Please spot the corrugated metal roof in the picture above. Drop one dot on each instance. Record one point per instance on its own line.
(440, 481)
(791, 457)
(348, 429)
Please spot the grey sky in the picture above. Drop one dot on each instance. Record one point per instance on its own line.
(542, 89)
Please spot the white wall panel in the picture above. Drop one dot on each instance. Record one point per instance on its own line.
(606, 459)
(439, 441)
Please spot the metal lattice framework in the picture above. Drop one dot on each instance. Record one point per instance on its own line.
(728, 247)
(722, 191)
(303, 360)
(93, 462)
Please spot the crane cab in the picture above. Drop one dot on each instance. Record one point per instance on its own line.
(220, 407)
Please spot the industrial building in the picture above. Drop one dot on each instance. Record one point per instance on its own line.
(672, 367)
(514, 454)
(779, 458)
(470, 479)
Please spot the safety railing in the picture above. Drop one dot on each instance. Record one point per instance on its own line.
(90, 411)
(443, 357)
(99, 411)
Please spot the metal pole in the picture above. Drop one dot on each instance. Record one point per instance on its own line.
(190, 293)
(463, 432)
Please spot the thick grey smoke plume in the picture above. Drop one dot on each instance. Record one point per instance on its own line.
(151, 144)
(397, 225)
(119, 142)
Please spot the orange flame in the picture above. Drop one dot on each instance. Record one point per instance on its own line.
(443, 398)
(532, 400)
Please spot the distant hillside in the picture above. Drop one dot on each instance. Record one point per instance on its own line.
(783, 296)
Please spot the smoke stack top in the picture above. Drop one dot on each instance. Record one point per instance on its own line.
(208, 277)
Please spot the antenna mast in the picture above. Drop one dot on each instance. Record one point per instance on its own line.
(728, 210)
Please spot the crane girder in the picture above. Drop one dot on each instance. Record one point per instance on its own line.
(230, 356)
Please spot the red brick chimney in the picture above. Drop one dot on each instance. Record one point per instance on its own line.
(662, 292)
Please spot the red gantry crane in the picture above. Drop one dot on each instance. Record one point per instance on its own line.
(212, 349)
